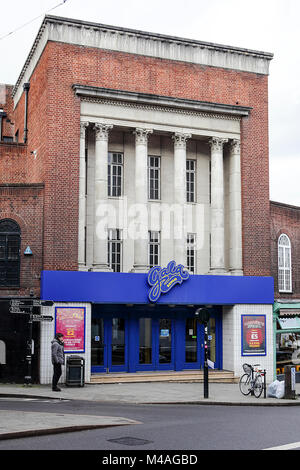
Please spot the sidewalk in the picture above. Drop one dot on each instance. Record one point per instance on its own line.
(19, 423)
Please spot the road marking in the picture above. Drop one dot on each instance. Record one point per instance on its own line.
(293, 445)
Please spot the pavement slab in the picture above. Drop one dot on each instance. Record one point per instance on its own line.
(15, 424)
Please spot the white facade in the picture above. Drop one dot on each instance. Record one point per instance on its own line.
(136, 131)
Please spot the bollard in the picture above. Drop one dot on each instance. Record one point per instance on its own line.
(289, 382)
(265, 383)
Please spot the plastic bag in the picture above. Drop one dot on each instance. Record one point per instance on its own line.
(280, 389)
(276, 389)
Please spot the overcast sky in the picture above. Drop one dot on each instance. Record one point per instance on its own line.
(265, 25)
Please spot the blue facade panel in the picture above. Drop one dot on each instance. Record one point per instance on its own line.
(133, 288)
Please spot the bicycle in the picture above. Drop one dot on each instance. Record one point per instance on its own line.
(251, 381)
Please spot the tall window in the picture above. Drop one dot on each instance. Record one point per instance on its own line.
(114, 252)
(115, 174)
(191, 180)
(10, 237)
(284, 264)
(153, 177)
(191, 252)
(154, 248)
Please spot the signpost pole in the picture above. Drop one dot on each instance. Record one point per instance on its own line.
(205, 360)
(202, 314)
(28, 378)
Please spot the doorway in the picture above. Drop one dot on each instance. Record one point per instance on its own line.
(109, 345)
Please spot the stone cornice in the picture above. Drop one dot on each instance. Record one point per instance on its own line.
(128, 98)
(132, 41)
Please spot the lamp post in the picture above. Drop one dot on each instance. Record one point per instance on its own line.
(202, 314)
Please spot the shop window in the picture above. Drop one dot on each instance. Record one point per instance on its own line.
(287, 343)
(10, 238)
(284, 264)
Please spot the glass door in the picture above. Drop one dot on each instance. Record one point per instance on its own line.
(194, 343)
(109, 345)
(165, 343)
(118, 352)
(98, 346)
(156, 344)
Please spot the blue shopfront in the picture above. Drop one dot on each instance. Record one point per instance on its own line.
(144, 323)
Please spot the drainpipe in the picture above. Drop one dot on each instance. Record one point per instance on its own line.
(26, 87)
(2, 115)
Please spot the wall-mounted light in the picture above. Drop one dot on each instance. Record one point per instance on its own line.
(28, 251)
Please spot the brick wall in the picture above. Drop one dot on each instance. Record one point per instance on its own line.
(54, 115)
(286, 219)
(24, 204)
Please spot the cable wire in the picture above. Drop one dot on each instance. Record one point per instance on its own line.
(28, 22)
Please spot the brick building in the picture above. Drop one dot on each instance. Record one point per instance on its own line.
(285, 269)
(130, 150)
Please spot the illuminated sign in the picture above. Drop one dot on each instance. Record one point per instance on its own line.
(163, 279)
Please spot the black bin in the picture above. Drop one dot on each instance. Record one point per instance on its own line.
(75, 371)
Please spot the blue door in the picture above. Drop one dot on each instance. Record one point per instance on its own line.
(194, 343)
(109, 339)
(156, 344)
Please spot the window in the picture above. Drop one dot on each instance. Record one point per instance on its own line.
(284, 264)
(115, 174)
(153, 177)
(10, 236)
(191, 252)
(191, 180)
(114, 252)
(154, 248)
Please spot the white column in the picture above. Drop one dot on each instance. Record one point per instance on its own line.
(140, 263)
(235, 209)
(180, 197)
(100, 262)
(217, 206)
(82, 198)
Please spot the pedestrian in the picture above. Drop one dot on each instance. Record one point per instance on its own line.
(58, 359)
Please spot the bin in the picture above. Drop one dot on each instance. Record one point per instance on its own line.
(75, 371)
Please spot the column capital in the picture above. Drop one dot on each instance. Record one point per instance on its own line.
(83, 126)
(102, 131)
(217, 143)
(235, 145)
(180, 139)
(141, 135)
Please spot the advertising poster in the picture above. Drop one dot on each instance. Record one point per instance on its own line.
(70, 321)
(253, 335)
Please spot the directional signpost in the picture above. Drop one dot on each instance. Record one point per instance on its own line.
(25, 307)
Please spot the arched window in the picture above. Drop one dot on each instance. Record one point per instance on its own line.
(10, 236)
(284, 264)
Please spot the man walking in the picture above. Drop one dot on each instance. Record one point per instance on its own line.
(57, 355)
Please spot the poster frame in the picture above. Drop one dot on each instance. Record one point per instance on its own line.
(249, 354)
(82, 350)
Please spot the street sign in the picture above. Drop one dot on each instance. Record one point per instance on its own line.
(28, 303)
(17, 310)
(42, 318)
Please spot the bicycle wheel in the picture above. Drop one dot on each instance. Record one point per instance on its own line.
(258, 386)
(245, 384)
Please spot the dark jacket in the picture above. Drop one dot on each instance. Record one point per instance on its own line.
(57, 352)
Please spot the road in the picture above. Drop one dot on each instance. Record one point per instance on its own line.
(165, 427)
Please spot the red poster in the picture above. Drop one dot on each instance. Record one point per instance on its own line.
(70, 321)
(253, 335)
